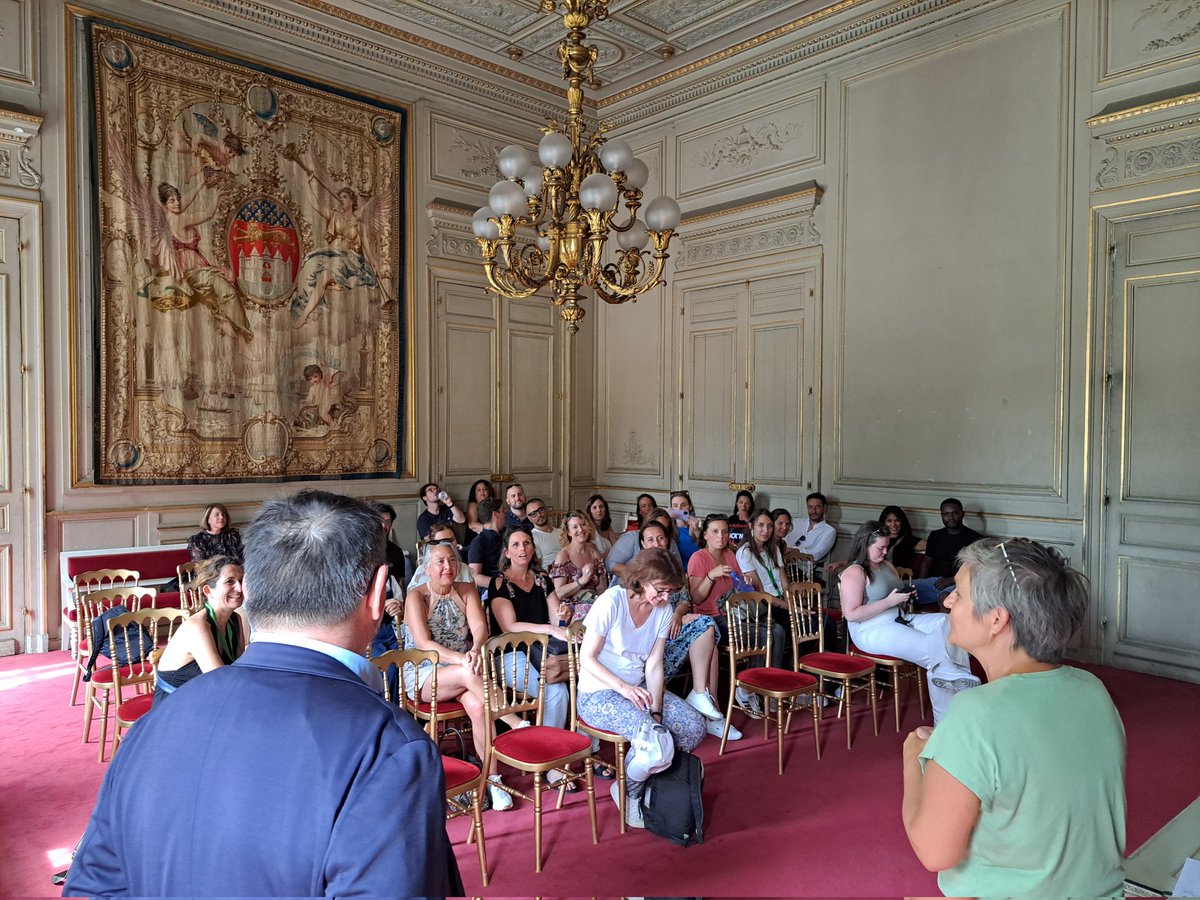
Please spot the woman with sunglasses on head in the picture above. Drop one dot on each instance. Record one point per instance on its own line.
(578, 571)
(622, 678)
(1020, 789)
(211, 638)
(446, 616)
(603, 535)
(872, 594)
(903, 545)
(216, 537)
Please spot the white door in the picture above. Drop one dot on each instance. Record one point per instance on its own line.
(1152, 440)
(14, 514)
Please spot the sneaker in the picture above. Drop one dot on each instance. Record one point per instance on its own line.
(716, 729)
(954, 685)
(501, 799)
(750, 702)
(703, 704)
(633, 809)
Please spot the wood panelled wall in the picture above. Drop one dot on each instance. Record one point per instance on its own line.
(925, 253)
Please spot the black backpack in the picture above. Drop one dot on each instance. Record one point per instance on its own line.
(135, 637)
(671, 805)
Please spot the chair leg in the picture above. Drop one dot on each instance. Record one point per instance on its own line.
(728, 715)
(816, 716)
(920, 678)
(778, 732)
(848, 696)
(591, 793)
(895, 675)
(875, 705)
(477, 827)
(622, 784)
(88, 700)
(75, 683)
(537, 820)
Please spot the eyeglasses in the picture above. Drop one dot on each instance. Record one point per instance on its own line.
(1008, 562)
(534, 512)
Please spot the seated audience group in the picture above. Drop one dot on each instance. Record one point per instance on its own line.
(653, 598)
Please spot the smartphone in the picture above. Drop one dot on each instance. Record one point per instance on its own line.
(680, 514)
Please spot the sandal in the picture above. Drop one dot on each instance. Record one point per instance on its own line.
(572, 787)
(603, 772)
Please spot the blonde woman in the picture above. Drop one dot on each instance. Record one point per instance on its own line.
(578, 571)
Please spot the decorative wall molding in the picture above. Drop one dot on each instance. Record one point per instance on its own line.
(450, 234)
(19, 165)
(1146, 142)
(763, 226)
(1141, 37)
(892, 23)
(388, 57)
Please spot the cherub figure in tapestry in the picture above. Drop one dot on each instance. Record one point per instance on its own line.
(353, 235)
(213, 152)
(173, 270)
(325, 401)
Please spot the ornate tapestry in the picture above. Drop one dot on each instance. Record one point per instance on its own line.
(250, 270)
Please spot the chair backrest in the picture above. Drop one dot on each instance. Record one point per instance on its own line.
(93, 603)
(554, 517)
(749, 626)
(806, 614)
(905, 573)
(798, 566)
(576, 632)
(124, 640)
(190, 595)
(401, 659)
(101, 579)
(509, 676)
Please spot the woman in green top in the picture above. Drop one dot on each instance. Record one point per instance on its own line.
(211, 638)
(1020, 789)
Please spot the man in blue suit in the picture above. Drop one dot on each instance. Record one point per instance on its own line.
(288, 773)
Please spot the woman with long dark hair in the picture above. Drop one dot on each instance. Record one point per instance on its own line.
(871, 594)
(481, 490)
(903, 545)
(762, 556)
(601, 518)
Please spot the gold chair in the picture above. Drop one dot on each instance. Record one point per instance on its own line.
(191, 597)
(461, 776)
(433, 713)
(105, 678)
(853, 673)
(538, 748)
(798, 566)
(87, 607)
(750, 630)
(161, 625)
(87, 583)
(575, 633)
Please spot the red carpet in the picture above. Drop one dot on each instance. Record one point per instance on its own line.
(823, 828)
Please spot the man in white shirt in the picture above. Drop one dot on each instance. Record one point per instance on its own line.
(816, 537)
(545, 535)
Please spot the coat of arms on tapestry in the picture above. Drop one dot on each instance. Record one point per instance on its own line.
(250, 256)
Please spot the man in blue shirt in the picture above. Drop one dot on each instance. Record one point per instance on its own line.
(303, 781)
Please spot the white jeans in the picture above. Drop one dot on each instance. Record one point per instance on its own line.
(924, 643)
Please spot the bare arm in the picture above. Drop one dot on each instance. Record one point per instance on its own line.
(566, 587)
(416, 617)
(854, 592)
(193, 641)
(476, 620)
(481, 580)
(939, 811)
(654, 675)
(589, 657)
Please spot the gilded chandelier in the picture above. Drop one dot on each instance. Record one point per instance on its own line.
(548, 223)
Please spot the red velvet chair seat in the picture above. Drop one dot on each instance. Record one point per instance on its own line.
(837, 663)
(777, 680)
(540, 744)
(105, 676)
(879, 657)
(134, 708)
(459, 773)
(444, 707)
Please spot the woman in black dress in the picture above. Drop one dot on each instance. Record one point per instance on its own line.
(216, 537)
